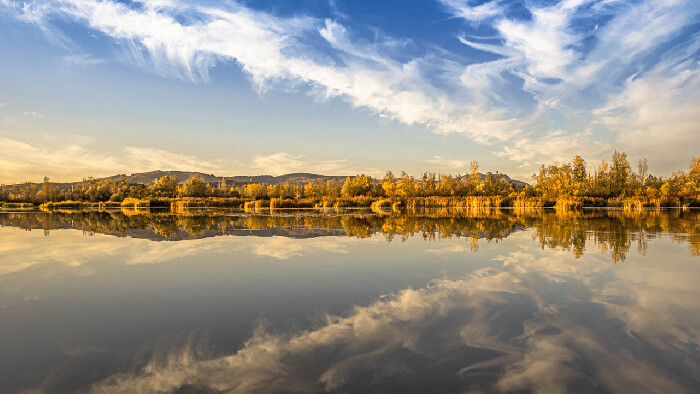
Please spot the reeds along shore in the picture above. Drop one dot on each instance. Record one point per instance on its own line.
(630, 203)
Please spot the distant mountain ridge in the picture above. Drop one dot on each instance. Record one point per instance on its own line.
(184, 176)
(296, 177)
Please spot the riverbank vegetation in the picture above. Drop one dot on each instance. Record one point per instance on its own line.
(569, 185)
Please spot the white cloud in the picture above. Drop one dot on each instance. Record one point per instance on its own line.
(461, 9)
(82, 60)
(21, 161)
(657, 116)
(449, 163)
(568, 81)
(285, 163)
(32, 114)
(151, 158)
(557, 146)
(543, 42)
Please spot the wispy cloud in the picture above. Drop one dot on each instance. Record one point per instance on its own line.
(556, 145)
(82, 60)
(285, 163)
(462, 9)
(152, 158)
(449, 163)
(656, 115)
(32, 114)
(547, 73)
(273, 50)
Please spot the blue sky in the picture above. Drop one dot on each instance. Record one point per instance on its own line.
(94, 88)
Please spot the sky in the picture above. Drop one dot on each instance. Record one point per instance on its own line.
(97, 88)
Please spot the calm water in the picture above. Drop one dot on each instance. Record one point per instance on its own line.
(356, 301)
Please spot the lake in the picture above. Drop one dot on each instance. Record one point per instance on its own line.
(441, 300)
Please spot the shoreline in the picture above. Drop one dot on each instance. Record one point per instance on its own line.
(379, 204)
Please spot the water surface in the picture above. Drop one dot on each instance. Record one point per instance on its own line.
(350, 301)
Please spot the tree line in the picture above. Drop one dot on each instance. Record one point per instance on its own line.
(552, 184)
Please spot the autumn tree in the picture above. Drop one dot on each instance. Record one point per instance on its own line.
(389, 184)
(332, 188)
(314, 189)
(360, 185)
(601, 180)
(428, 184)
(642, 171)
(165, 186)
(619, 174)
(579, 175)
(555, 181)
(446, 186)
(255, 191)
(407, 186)
(48, 192)
(474, 178)
(195, 187)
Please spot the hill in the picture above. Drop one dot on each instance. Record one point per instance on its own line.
(297, 177)
(184, 176)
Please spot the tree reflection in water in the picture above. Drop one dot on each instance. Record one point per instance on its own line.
(612, 232)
